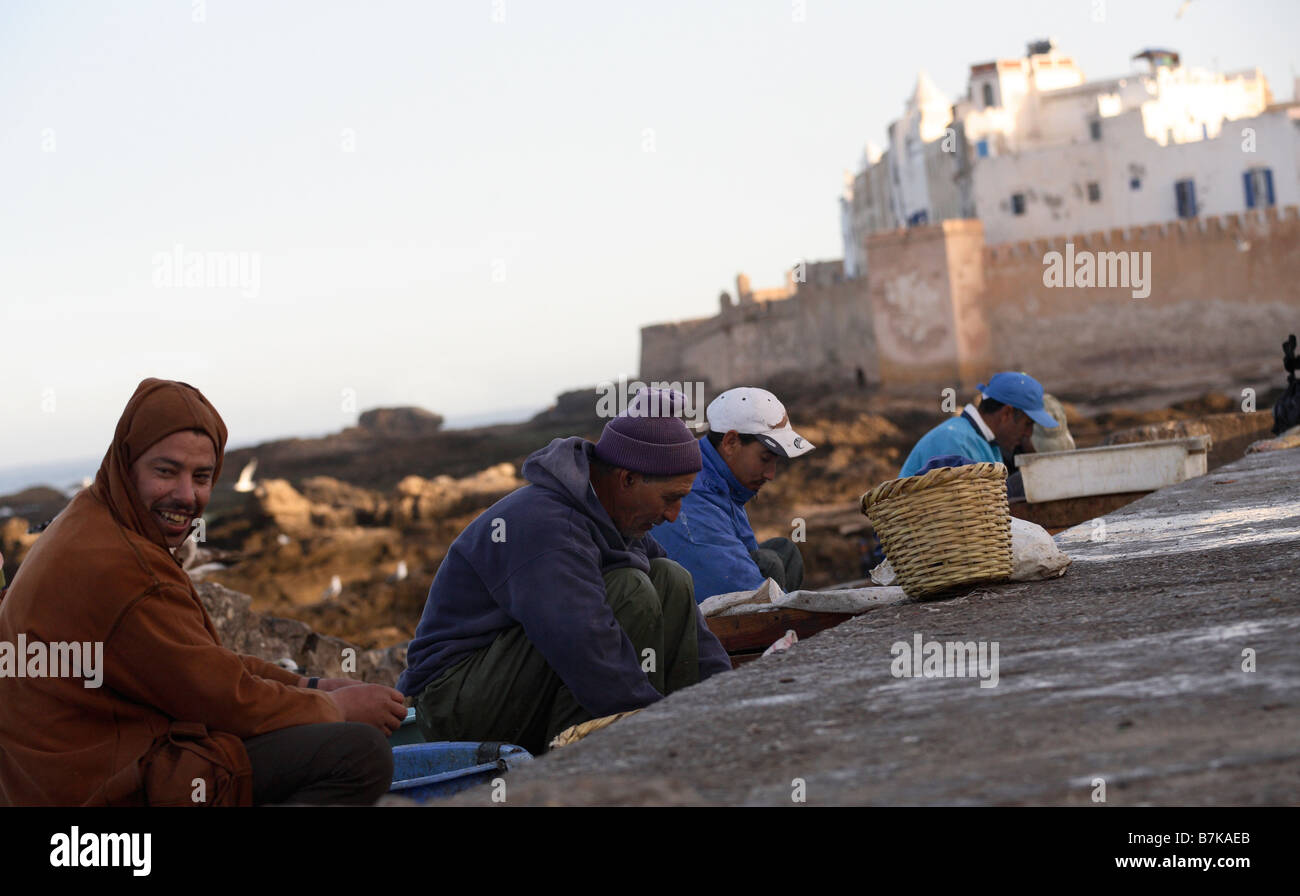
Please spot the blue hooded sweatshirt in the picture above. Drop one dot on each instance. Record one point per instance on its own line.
(537, 558)
(711, 536)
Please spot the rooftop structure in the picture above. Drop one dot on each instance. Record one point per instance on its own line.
(1034, 148)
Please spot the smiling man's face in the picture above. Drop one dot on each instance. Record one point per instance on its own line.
(174, 481)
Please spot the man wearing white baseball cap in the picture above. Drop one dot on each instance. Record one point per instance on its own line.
(1010, 404)
(748, 430)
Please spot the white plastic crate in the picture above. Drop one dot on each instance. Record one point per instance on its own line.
(1112, 469)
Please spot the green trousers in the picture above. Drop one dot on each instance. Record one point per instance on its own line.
(508, 692)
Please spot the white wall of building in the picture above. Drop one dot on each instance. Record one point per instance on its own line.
(1054, 182)
(1049, 134)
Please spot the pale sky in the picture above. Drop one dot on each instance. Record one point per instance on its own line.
(466, 206)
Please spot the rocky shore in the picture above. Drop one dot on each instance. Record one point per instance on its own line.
(339, 538)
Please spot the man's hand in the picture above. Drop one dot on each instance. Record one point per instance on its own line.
(373, 704)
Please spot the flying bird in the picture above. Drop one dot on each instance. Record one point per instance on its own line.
(400, 575)
(245, 483)
(334, 590)
(1182, 9)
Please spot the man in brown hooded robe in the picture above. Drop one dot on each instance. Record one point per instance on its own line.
(159, 713)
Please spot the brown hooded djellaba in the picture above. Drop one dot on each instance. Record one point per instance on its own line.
(166, 725)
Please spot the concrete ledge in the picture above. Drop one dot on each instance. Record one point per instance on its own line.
(1128, 670)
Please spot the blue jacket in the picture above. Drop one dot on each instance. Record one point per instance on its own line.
(957, 435)
(711, 536)
(537, 558)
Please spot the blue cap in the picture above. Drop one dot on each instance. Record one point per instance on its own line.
(1020, 390)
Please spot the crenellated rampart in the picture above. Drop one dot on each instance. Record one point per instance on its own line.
(1190, 303)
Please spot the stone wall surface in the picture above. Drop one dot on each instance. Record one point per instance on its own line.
(825, 332)
(1223, 294)
(911, 304)
(1205, 303)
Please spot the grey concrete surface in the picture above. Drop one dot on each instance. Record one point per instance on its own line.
(1128, 669)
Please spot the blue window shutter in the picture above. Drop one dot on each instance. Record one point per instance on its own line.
(1185, 194)
(1268, 184)
(1248, 180)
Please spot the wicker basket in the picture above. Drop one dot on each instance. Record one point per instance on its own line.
(945, 528)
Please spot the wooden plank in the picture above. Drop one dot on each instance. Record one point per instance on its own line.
(757, 631)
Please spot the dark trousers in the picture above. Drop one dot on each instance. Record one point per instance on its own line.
(779, 559)
(508, 692)
(347, 763)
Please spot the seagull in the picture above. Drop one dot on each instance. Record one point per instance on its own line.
(289, 663)
(334, 590)
(400, 575)
(1182, 9)
(245, 483)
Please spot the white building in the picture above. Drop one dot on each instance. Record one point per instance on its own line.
(1035, 150)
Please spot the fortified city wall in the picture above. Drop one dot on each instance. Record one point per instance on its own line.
(1225, 291)
(940, 308)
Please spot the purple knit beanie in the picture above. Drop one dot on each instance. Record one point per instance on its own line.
(650, 438)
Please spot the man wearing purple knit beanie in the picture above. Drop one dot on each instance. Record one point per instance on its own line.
(555, 606)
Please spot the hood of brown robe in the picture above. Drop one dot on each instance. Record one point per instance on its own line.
(158, 409)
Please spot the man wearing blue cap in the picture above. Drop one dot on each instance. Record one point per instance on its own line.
(1010, 405)
(555, 606)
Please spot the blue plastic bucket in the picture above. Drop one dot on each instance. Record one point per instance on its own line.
(431, 770)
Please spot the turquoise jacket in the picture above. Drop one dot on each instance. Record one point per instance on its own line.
(711, 536)
(958, 435)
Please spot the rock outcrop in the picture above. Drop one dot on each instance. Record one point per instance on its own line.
(351, 504)
(39, 504)
(296, 515)
(574, 406)
(417, 499)
(400, 423)
(273, 639)
(326, 504)
(15, 542)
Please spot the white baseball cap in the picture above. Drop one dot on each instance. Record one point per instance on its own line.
(756, 412)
